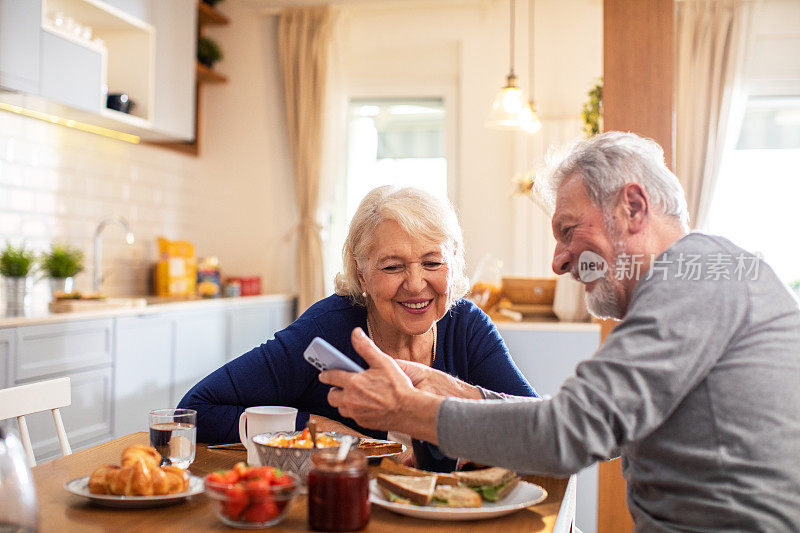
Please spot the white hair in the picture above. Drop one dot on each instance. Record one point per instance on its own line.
(609, 161)
(419, 214)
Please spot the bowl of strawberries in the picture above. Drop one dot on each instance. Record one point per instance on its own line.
(252, 497)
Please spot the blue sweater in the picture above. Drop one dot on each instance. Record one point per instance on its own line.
(275, 373)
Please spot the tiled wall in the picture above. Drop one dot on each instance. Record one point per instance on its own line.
(57, 184)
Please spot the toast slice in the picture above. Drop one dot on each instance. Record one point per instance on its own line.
(416, 489)
(371, 448)
(388, 466)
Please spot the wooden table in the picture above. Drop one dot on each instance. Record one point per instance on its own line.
(62, 511)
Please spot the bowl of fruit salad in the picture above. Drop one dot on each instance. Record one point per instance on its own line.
(252, 497)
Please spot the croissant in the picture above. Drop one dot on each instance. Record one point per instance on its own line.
(139, 475)
(139, 451)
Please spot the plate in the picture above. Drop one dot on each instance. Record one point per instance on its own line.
(382, 455)
(524, 495)
(80, 487)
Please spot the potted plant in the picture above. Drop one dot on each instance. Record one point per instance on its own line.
(61, 264)
(16, 266)
(208, 51)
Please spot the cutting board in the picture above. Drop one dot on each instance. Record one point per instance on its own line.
(71, 306)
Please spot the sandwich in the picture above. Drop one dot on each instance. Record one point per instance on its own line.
(454, 496)
(407, 489)
(388, 466)
(492, 484)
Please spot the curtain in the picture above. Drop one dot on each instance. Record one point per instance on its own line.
(712, 38)
(304, 36)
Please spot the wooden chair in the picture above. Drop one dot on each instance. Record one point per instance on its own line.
(16, 402)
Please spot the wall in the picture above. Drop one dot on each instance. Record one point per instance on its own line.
(461, 49)
(234, 201)
(237, 199)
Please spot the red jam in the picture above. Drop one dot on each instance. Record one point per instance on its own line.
(338, 492)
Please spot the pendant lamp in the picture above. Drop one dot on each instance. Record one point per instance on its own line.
(509, 109)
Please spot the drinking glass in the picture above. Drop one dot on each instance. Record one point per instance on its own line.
(173, 434)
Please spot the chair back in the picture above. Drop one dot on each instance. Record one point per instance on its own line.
(50, 395)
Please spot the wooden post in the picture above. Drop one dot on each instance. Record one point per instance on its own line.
(638, 96)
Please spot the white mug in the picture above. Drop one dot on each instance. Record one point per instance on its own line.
(263, 419)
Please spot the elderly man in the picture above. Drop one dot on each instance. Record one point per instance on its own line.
(698, 388)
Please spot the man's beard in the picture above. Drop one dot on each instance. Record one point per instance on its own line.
(605, 300)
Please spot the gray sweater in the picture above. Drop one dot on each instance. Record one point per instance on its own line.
(698, 389)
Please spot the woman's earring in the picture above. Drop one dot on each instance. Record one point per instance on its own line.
(364, 294)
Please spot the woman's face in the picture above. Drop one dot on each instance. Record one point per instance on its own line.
(406, 278)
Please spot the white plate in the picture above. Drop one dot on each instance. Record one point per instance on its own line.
(382, 455)
(80, 487)
(524, 495)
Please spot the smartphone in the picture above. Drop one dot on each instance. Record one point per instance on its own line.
(322, 356)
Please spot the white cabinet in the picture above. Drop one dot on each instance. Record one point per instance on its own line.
(51, 349)
(80, 350)
(200, 347)
(143, 369)
(547, 354)
(175, 22)
(123, 366)
(6, 353)
(47, 67)
(20, 21)
(253, 325)
(62, 59)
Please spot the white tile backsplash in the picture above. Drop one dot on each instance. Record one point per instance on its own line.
(56, 184)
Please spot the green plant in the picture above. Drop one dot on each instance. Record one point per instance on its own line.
(208, 51)
(593, 110)
(62, 261)
(16, 262)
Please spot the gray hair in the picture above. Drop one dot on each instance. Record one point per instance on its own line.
(609, 161)
(418, 213)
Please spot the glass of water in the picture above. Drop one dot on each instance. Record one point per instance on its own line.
(173, 433)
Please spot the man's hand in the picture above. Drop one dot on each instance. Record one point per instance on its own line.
(434, 381)
(382, 397)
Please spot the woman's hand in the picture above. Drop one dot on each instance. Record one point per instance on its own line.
(434, 381)
(382, 397)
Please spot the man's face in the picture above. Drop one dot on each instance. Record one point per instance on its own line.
(587, 250)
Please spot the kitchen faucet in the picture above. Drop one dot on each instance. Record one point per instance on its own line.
(97, 274)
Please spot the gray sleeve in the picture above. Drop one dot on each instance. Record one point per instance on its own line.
(674, 332)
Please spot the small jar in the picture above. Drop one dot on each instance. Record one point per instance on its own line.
(338, 491)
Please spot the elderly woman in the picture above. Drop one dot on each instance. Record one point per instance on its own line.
(402, 283)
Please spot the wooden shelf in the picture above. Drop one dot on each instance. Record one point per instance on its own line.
(208, 15)
(206, 75)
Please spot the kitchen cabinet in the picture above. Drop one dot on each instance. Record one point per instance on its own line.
(6, 353)
(82, 351)
(205, 15)
(547, 354)
(56, 349)
(46, 67)
(200, 348)
(19, 63)
(132, 361)
(252, 326)
(143, 370)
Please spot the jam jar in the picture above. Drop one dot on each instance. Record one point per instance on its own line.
(338, 491)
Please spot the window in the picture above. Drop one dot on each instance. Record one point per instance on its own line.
(390, 141)
(757, 198)
(395, 142)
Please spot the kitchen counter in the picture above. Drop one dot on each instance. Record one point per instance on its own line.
(155, 305)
